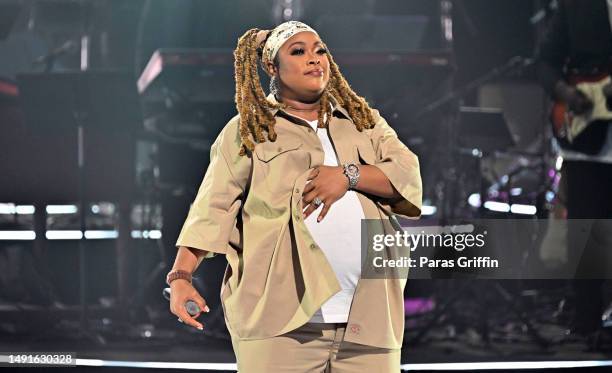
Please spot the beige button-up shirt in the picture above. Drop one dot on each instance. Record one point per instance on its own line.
(250, 209)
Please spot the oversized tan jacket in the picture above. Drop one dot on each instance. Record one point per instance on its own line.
(250, 209)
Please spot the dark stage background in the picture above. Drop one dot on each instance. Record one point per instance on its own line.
(84, 247)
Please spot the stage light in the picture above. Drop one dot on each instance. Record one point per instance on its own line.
(518, 208)
(428, 210)
(62, 209)
(100, 235)
(64, 235)
(17, 235)
(497, 206)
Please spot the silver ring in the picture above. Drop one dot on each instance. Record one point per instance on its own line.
(317, 201)
(180, 320)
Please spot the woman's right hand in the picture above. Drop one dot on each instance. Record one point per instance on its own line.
(182, 292)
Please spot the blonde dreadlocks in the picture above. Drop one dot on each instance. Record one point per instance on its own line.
(254, 108)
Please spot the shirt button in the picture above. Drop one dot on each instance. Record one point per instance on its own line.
(310, 130)
(318, 149)
(297, 190)
(354, 328)
(280, 149)
(312, 246)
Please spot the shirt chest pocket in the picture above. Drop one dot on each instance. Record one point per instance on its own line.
(268, 151)
(278, 164)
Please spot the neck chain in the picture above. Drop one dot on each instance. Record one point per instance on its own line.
(287, 106)
(302, 110)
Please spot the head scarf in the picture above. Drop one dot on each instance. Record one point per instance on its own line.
(278, 36)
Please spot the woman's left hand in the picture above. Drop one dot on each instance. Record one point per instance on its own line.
(327, 183)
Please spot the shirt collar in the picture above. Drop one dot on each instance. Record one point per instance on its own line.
(335, 106)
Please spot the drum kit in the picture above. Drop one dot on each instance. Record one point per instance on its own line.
(479, 172)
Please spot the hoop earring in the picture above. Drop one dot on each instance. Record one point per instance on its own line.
(274, 86)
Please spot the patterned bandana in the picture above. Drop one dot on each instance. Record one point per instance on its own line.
(278, 36)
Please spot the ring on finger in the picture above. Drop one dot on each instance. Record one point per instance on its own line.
(317, 201)
(180, 320)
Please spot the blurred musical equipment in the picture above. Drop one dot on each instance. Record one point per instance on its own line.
(373, 33)
(8, 90)
(188, 95)
(567, 126)
(484, 129)
(36, 151)
(9, 10)
(81, 104)
(191, 72)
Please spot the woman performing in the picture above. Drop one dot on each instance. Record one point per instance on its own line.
(290, 179)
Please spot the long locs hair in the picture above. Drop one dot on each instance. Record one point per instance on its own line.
(255, 110)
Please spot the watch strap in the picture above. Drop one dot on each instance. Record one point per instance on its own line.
(352, 178)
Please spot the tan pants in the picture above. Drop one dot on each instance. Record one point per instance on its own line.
(313, 347)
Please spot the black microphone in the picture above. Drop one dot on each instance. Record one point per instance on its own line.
(191, 306)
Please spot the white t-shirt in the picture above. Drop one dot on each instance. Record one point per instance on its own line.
(339, 236)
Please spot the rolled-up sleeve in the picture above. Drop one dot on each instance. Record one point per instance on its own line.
(212, 215)
(401, 166)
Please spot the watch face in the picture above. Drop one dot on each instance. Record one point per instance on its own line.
(352, 169)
